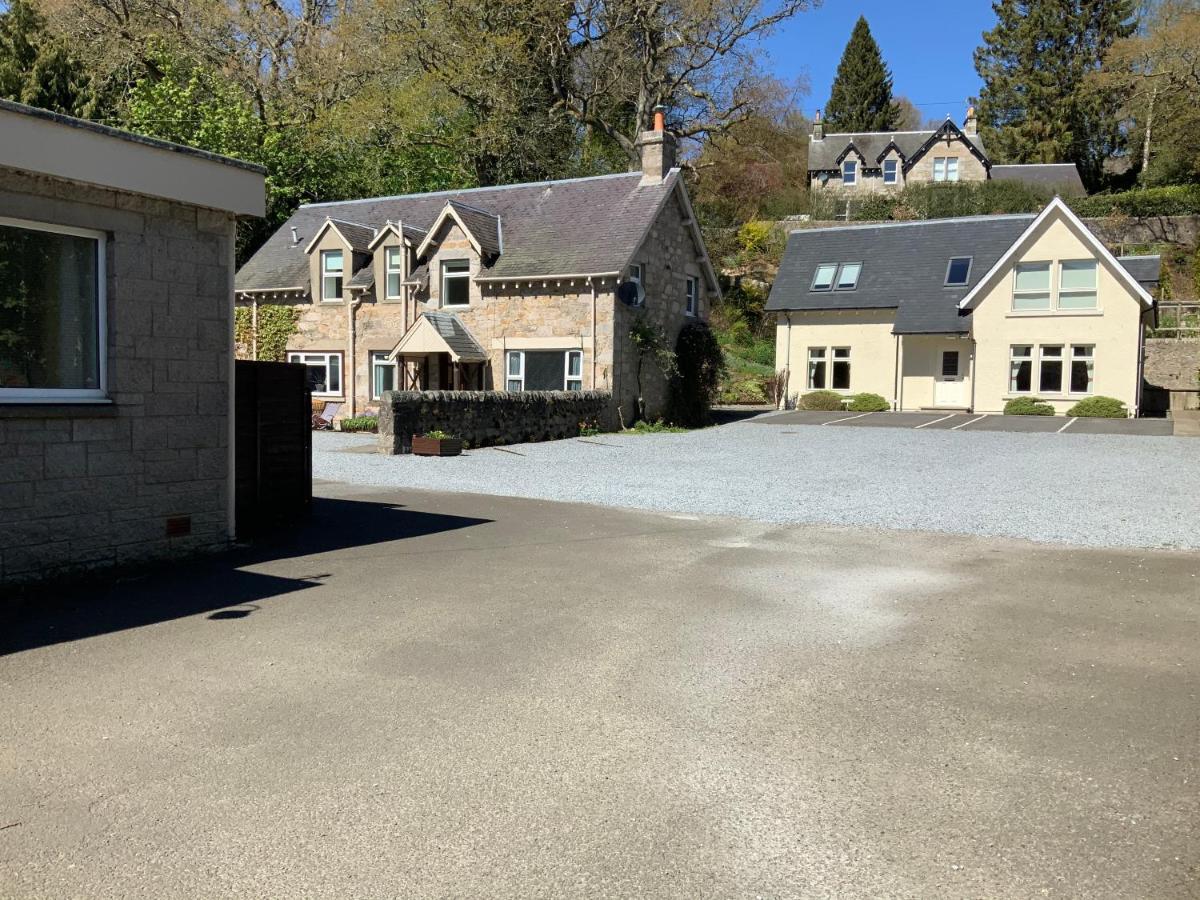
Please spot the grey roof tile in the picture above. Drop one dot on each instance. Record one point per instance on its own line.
(1059, 178)
(483, 225)
(457, 336)
(359, 236)
(824, 154)
(364, 277)
(583, 226)
(1146, 270)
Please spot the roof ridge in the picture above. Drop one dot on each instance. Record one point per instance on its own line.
(1140, 256)
(1001, 218)
(477, 209)
(451, 191)
(348, 222)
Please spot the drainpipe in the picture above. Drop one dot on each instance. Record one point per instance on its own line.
(973, 346)
(899, 373)
(351, 362)
(254, 326)
(896, 378)
(787, 365)
(592, 285)
(1141, 365)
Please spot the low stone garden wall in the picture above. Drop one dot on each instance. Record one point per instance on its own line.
(488, 418)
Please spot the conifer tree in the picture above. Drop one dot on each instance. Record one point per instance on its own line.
(1038, 104)
(861, 98)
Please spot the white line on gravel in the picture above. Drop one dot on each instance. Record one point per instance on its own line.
(965, 424)
(935, 421)
(1068, 425)
(847, 419)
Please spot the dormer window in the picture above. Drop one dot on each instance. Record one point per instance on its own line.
(850, 172)
(958, 271)
(394, 264)
(890, 170)
(456, 282)
(332, 271)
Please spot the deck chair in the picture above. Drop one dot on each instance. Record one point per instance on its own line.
(323, 421)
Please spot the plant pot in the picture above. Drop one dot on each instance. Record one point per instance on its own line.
(425, 446)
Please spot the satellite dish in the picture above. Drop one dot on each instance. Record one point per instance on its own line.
(631, 293)
(824, 177)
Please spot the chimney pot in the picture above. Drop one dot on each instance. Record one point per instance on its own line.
(971, 124)
(818, 133)
(295, 236)
(660, 120)
(657, 149)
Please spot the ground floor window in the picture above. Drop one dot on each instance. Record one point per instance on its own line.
(383, 375)
(1046, 366)
(544, 370)
(841, 368)
(816, 368)
(821, 375)
(51, 312)
(324, 372)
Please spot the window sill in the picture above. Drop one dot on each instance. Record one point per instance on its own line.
(1065, 398)
(332, 302)
(82, 409)
(1049, 313)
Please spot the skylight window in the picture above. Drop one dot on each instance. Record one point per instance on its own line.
(823, 280)
(847, 279)
(958, 271)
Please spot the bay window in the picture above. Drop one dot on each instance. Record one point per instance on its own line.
(52, 299)
(332, 270)
(324, 372)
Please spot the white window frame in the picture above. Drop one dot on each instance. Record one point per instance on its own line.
(379, 359)
(519, 375)
(568, 379)
(817, 355)
(834, 359)
(850, 168)
(1090, 359)
(837, 280)
(895, 164)
(72, 395)
(832, 277)
(939, 168)
(966, 278)
(389, 270)
(1094, 291)
(635, 272)
(464, 274)
(1014, 359)
(692, 300)
(951, 168)
(327, 274)
(1049, 291)
(301, 356)
(1042, 359)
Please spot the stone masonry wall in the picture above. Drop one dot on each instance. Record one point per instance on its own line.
(84, 487)
(487, 418)
(1173, 364)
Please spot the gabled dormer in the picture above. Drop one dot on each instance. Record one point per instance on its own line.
(338, 251)
(463, 241)
(393, 260)
(948, 154)
(851, 163)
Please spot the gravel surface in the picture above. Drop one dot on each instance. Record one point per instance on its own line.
(1103, 491)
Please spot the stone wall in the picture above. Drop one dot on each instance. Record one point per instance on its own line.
(488, 418)
(84, 487)
(1173, 364)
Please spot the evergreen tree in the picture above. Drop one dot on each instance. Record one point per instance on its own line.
(37, 70)
(861, 98)
(1038, 104)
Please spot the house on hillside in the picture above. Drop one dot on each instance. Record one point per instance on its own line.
(963, 314)
(512, 288)
(850, 165)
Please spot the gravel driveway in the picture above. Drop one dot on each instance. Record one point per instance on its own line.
(1094, 490)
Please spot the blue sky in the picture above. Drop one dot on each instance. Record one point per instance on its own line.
(928, 47)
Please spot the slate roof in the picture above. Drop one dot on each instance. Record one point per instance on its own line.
(363, 278)
(824, 154)
(359, 236)
(457, 337)
(483, 225)
(1060, 178)
(1146, 270)
(583, 226)
(904, 268)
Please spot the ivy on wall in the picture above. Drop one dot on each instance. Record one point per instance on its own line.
(276, 324)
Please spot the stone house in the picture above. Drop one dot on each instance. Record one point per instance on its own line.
(964, 314)
(516, 287)
(848, 165)
(116, 344)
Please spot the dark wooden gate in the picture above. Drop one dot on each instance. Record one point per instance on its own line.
(273, 445)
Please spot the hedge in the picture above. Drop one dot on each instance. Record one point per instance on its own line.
(822, 400)
(868, 403)
(1027, 406)
(1099, 408)
(1172, 200)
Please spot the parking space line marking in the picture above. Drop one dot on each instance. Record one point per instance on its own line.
(847, 419)
(1068, 425)
(965, 424)
(935, 421)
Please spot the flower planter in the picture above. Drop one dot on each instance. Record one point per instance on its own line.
(425, 446)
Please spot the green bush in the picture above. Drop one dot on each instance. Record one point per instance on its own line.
(1099, 408)
(699, 368)
(1172, 200)
(868, 403)
(1027, 406)
(658, 426)
(360, 423)
(822, 400)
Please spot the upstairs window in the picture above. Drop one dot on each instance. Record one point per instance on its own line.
(1077, 284)
(849, 172)
(394, 259)
(890, 169)
(958, 271)
(51, 313)
(945, 168)
(1031, 287)
(332, 270)
(847, 279)
(456, 282)
(635, 272)
(823, 279)
(693, 295)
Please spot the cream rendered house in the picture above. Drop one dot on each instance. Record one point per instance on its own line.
(963, 314)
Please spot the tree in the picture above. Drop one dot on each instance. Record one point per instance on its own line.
(699, 366)
(649, 343)
(908, 117)
(861, 97)
(1038, 104)
(37, 69)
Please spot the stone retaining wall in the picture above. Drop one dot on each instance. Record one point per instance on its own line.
(487, 418)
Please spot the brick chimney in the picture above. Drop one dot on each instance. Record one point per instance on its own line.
(970, 124)
(657, 148)
(818, 127)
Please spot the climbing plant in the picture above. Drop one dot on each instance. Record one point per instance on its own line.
(699, 365)
(276, 324)
(649, 343)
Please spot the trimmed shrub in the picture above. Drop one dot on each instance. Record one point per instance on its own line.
(1099, 408)
(1027, 406)
(823, 400)
(868, 403)
(1171, 200)
(699, 367)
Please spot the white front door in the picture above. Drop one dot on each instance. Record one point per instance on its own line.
(948, 385)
